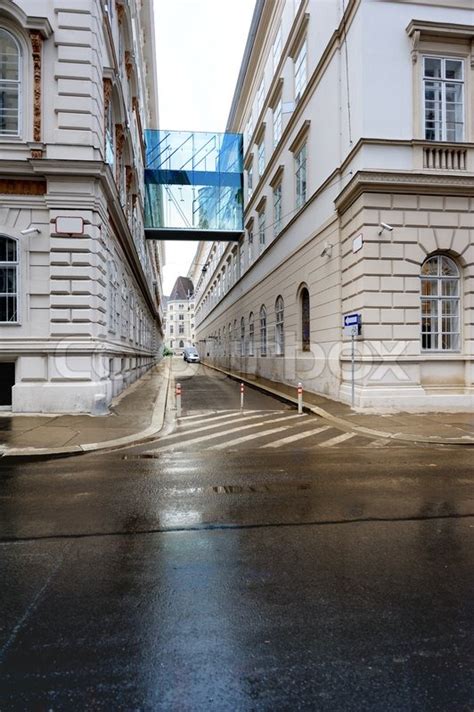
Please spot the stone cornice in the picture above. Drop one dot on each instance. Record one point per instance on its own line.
(28, 22)
(403, 182)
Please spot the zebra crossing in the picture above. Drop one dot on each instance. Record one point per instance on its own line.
(259, 429)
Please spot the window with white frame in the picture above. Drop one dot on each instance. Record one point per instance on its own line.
(249, 244)
(277, 110)
(8, 280)
(440, 304)
(251, 344)
(300, 71)
(279, 327)
(263, 330)
(261, 229)
(10, 85)
(277, 209)
(443, 82)
(276, 49)
(261, 157)
(249, 181)
(241, 260)
(248, 131)
(260, 96)
(242, 336)
(300, 174)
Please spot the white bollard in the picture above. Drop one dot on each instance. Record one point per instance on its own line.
(241, 396)
(300, 398)
(178, 400)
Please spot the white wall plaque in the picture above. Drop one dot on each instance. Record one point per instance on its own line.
(66, 225)
(357, 242)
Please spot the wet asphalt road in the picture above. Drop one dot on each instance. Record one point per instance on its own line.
(249, 576)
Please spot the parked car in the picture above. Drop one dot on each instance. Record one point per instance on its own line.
(191, 355)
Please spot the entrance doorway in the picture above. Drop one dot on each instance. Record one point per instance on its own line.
(7, 381)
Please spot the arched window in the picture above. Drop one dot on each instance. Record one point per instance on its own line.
(242, 336)
(263, 330)
(8, 280)
(10, 84)
(181, 344)
(279, 326)
(251, 335)
(305, 327)
(440, 304)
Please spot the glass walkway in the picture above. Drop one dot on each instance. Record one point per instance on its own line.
(193, 185)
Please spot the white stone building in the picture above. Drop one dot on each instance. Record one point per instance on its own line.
(358, 123)
(80, 290)
(179, 316)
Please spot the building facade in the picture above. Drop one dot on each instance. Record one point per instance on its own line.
(80, 289)
(179, 316)
(358, 123)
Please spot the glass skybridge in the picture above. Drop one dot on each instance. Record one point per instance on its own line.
(193, 185)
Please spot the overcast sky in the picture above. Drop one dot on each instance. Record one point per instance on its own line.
(200, 44)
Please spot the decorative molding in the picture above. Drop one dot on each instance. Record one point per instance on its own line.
(120, 12)
(260, 133)
(136, 110)
(108, 86)
(300, 137)
(36, 153)
(128, 178)
(20, 186)
(36, 46)
(277, 176)
(119, 140)
(28, 22)
(128, 64)
(399, 182)
(441, 30)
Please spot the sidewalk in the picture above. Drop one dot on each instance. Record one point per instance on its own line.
(135, 415)
(440, 428)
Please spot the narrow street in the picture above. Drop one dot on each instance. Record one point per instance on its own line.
(242, 561)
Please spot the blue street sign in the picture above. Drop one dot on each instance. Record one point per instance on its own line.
(352, 320)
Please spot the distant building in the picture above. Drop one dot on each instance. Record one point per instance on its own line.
(179, 316)
(80, 288)
(358, 200)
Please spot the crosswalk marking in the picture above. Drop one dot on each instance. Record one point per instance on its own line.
(192, 430)
(297, 436)
(204, 438)
(338, 439)
(207, 415)
(381, 442)
(254, 436)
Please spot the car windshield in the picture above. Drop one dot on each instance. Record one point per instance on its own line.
(192, 352)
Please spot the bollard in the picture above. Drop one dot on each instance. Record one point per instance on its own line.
(178, 400)
(300, 398)
(241, 396)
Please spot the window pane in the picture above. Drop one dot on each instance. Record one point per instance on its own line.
(432, 67)
(448, 267)
(9, 64)
(8, 308)
(454, 69)
(430, 267)
(429, 287)
(450, 288)
(8, 108)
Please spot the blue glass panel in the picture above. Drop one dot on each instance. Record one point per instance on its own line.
(193, 181)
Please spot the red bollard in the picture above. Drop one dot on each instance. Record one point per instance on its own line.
(300, 398)
(241, 396)
(178, 400)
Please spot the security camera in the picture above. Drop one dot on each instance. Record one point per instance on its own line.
(384, 226)
(30, 230)
(327, 250)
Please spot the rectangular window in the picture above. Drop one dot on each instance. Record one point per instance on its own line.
(277, 122)
(181, 317)
(260, 97)
(443, 83)
(181, 329)
(276, 50)
(277, 209)
(261, 157)
(250, 181)
(300, 173)
(241, 260)
(248, 132)
(261, 230)
(300, 71)
(250, 242)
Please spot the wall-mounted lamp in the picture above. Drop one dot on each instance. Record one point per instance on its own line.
(30, 230)
(327, 249)
(384, 226)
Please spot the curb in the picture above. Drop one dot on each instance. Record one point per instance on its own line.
(149, 433)
(400, 437)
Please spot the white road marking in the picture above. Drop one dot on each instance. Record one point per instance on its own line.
(298, 436)
(381, 442)
(192, 430)
(254, 436)
(338, 439)
(220, 434)
(204, 414)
